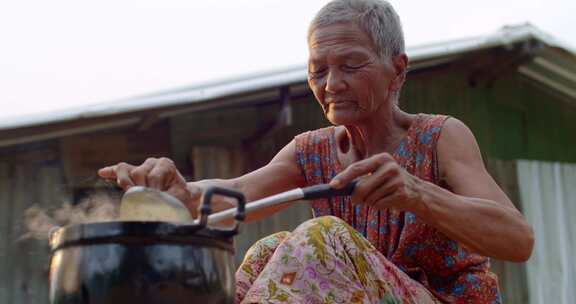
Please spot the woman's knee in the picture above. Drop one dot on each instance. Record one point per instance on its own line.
(268, 243)
(326, 220)
(323, 222)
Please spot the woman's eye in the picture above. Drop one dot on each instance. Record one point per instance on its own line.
(353, 67)
(317, 72)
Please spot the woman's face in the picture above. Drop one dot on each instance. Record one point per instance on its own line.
(348, 78)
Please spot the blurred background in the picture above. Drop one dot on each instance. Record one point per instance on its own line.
(66, 53)
(220, 87)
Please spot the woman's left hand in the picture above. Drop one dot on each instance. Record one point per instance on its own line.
(382, 183)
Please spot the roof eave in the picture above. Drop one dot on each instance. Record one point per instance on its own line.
(419, 57)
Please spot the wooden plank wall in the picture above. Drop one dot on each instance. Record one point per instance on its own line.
(200, 143)
(5, 232)
(512, 118)
(28, 175)
(83, 155)
(227, 162)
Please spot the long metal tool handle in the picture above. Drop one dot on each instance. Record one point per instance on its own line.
(307, 193)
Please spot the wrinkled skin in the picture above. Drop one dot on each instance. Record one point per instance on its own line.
(157, 173)
(349, 80)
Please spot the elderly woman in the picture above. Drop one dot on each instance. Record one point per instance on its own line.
(425, 214)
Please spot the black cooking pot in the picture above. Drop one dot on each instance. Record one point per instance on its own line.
(145, 262)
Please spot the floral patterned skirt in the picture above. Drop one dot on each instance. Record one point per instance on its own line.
(324, 260)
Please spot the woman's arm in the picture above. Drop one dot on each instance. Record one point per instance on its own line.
(281, 174)
(477, 213)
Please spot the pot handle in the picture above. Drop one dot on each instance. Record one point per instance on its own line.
(325, 191)
(205, 209)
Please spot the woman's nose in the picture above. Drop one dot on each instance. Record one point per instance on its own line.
(335, 82)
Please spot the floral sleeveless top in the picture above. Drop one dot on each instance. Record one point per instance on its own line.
(451, 273)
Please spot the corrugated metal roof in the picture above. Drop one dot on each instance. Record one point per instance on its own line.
(189, 95)
(508, 35)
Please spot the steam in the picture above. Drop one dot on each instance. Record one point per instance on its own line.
(97, 207)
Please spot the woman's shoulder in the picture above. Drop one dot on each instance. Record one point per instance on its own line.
(432, 121)
(427, 130)
(315, 136)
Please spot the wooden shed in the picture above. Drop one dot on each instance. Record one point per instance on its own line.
(515, 88)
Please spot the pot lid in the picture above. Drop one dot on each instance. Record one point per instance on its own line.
(136, 233)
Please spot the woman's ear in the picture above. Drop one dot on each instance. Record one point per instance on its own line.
(400, 64)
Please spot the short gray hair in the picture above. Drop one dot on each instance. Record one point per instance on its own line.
(377, 18)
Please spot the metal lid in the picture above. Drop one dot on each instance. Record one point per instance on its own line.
(141, 233)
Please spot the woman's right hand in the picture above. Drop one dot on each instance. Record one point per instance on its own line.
(157, 173)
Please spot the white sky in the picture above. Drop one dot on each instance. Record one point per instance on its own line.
(64, 53)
